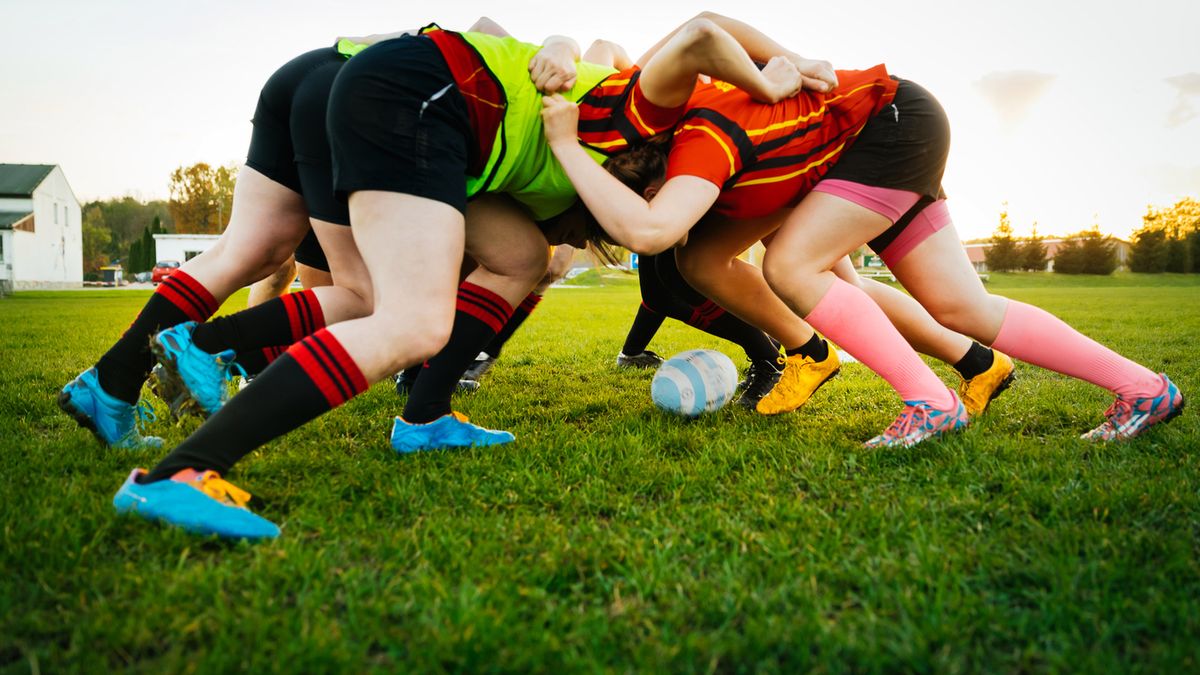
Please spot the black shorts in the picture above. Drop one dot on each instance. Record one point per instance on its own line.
(398, 123)
(310, 253)
(289, 144)
(904, 147)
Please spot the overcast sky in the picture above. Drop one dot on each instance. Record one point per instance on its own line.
(1072, 112)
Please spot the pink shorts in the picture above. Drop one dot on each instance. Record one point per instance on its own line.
(908, 228)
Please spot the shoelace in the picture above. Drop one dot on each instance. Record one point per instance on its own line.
(141, 414)
(228, 369)
(211, 484)
(907, 421)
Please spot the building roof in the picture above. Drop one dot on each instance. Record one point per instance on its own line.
(20, 180)
(10, 218)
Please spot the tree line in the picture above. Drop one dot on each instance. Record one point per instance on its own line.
(1168, 241)
(121, 230)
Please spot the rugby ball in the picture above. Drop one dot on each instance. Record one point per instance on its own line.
(694, 382)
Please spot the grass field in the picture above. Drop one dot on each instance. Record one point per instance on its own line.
(611, 537)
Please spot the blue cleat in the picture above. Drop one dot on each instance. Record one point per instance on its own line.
(201, 503)
(113, 421)
(447, 431)
(205, 377)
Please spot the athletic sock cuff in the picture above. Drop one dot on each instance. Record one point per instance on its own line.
(530, 302)
(189, 295)
(304, 313)
(704, 314)
(329, 366)
(484, 305)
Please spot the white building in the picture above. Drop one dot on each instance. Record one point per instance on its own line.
(41, 228)
(182, 247)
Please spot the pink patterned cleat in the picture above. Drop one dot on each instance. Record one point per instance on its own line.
(1126, 419)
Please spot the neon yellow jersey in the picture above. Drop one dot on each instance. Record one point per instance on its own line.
(522, 164)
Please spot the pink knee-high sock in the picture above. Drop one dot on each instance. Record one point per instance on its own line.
(850, 318)
(1036, 336)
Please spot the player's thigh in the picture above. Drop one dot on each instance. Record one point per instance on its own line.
(503, 239)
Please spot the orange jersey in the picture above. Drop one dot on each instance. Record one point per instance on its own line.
(615, 114)
(767, 157)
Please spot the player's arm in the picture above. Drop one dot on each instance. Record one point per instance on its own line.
(485, 25)
(608, 53)
(701, 46)
(643, 227)
(816, 74)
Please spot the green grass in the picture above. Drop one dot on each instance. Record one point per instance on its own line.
(611, 537)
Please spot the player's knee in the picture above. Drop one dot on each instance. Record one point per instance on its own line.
(958, 316)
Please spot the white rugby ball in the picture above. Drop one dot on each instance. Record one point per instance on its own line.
(694, 382)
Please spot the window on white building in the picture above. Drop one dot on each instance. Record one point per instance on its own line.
(188, 255)
(56, 213)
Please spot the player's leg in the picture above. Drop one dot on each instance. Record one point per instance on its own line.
(266, 222)
(512, 256)
(798, 264)
(199, 359)
(708, 316)
(560, 263)
(709, 262)
(941, 278)
(273, 286)
(984, 372)
(412, 247)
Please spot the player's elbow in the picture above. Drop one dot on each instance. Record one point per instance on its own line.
(699, 33)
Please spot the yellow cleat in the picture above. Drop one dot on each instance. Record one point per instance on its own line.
(977, 392)
(802, 377)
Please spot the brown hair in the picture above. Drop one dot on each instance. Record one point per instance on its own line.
(637, 168)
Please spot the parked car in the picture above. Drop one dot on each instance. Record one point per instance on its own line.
(163, 269)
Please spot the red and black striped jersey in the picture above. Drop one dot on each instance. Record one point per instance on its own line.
(767, 157)
(615, 114)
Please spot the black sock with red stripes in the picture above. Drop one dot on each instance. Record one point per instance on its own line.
(256, 360)
(124, 367)
(480, 315)
(518, 317)
(712, 319)
(645, 325)
(314, 376)
(281, 321)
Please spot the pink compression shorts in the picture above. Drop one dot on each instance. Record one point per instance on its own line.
(893, 205)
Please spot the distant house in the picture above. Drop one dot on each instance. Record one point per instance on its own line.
(975, 253)
(182, 247)
(41, 228)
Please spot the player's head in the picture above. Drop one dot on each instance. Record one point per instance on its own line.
(642, 168)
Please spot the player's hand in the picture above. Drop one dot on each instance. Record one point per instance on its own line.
(561, 120)
(783, 79)
(552, 70)
(816, 75)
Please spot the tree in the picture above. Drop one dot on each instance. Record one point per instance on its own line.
(201, 197)
(1176, 220)
(1149, 251)
(126, 217)
(1193, 240)
(1002, 255)
(1088, 252)
(1031, 254)
(96, 237)
(1179, 258)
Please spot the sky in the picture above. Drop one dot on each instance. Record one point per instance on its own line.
(1071, 113)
